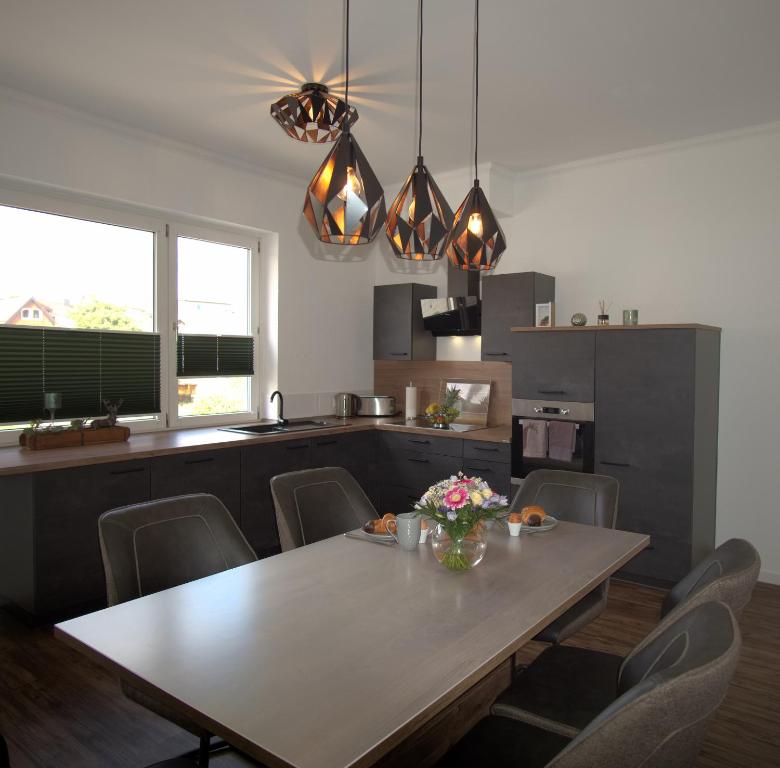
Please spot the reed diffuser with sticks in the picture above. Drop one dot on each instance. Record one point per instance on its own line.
(603, 316)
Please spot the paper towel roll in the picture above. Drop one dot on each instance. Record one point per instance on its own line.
(411, 402)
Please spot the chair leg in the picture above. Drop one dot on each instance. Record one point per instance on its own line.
(203, 752)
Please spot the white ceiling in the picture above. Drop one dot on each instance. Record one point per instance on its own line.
(561, 79)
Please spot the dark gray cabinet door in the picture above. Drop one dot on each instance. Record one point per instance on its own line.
(68, 502)
(495, 473)
(356, 452)
(509, 301)
(215, 472)
(550, 365)
(259, 463)
(644, 414)
(398, 324)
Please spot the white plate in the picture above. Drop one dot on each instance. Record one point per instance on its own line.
(548, 524)
(377, 536)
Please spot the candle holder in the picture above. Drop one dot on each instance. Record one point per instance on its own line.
(52, 402)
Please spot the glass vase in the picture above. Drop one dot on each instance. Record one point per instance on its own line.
(459, 554)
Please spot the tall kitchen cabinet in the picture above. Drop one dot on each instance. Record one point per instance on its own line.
(510, 300)
(398, 323)
(655, 395)
(656, 431)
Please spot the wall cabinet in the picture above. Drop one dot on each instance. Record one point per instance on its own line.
(508, 301)
(398, 325)
(553, 365)
(215, 472)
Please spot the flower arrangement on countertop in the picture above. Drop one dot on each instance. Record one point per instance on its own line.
(459, 504)
(442, 414)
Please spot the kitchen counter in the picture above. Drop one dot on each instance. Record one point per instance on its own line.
(19, 461)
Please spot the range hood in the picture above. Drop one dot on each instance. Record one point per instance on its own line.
(460, 312)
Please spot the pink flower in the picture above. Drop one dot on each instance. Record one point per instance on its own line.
(463, 481)
(456, 498)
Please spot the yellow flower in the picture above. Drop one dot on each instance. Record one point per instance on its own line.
(476, 498)
(487, 493)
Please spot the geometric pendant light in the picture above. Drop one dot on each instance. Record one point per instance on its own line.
(419, 219)
(312, 114)
(476, 240)
(345, 202)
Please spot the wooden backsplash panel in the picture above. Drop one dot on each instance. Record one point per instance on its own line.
(392, 377)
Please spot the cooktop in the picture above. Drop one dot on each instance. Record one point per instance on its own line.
(425, 424)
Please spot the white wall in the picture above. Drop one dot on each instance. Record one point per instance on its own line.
(324, 302)
(685, 234)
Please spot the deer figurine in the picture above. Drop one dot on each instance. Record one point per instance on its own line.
(112, 408)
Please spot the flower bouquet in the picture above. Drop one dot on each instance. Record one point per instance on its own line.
(442, 414)
(459, 506)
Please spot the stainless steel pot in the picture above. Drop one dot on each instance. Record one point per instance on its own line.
(346, 405)
(376, 405)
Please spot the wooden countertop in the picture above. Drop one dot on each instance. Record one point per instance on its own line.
(20, 461)
(287, 658)
(648, 327)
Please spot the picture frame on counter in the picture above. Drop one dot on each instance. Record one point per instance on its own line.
(544, 316)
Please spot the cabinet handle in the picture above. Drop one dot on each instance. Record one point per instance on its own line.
(420, 442)
(398, 354)
(481, 470)
(295, 447)
(199, 461)
(486, 450)
(327, 442)
(614, 463)
(127, 471)
(496, 354)
(412, 498)
(420, 461)
(551, 391)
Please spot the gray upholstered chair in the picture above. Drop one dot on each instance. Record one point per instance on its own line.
(668, 691)
(566, 687)
(577, 498)
(315, 504)
(160, 544)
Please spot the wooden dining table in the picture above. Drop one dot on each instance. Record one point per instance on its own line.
(334, 654)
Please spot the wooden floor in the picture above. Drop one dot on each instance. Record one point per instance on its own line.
(59, 710)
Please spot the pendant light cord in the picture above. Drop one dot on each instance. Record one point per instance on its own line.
(420, 87)
(346, 67)
(476, 85)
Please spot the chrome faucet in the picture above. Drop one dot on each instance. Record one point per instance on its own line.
(280, 420)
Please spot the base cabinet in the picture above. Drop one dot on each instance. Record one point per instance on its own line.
(215, 472)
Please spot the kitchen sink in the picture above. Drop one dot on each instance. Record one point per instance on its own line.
(292, 425)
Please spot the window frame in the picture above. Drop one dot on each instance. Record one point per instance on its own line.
(226, 237)
(165, 229)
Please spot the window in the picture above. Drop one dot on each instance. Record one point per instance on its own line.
(92, 270)
(213, 302)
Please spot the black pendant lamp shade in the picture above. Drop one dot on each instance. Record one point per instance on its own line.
(345, 202)
(312, 114)
(476, 240)
(419, 218)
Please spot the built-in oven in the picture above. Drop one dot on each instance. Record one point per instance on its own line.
(551, 435)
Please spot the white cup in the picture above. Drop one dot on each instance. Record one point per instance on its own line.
(514, 529)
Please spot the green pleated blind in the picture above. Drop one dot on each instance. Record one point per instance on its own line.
(198, 356)
(84, 366)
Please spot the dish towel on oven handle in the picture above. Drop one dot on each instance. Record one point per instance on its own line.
(562, 439)
(535, 439)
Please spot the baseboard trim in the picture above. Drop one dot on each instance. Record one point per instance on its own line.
(768, 577)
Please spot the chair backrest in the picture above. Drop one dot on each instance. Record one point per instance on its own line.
(669, 691)
(4, 761)
(315, 504)
(159, 544)
(728, 574)
(572, 496)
